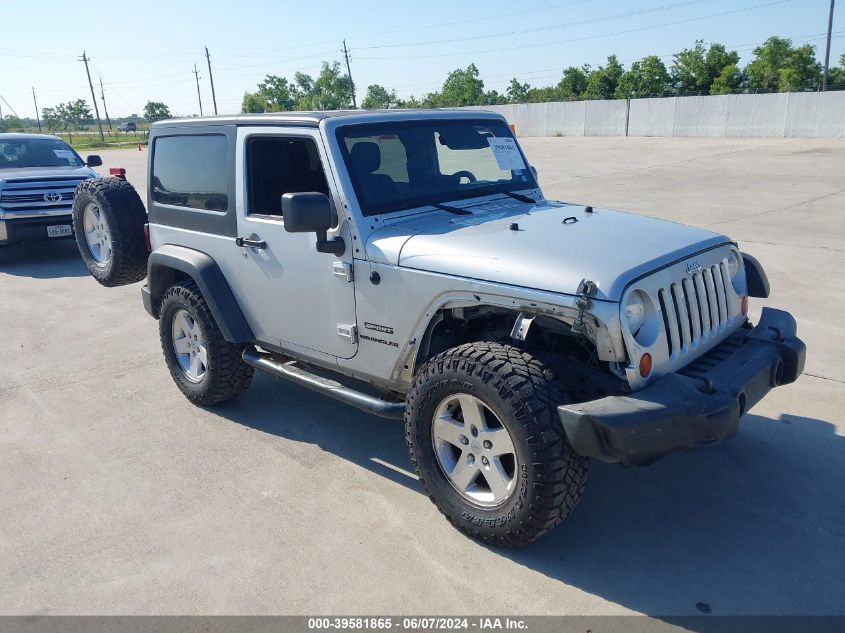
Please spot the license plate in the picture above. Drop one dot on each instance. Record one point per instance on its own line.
(59, 230)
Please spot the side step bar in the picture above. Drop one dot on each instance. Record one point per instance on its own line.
(330, 388)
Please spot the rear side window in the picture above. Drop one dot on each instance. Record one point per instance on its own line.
(191, 171)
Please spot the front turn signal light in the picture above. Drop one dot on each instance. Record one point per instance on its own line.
(743, 305)
(645, 365)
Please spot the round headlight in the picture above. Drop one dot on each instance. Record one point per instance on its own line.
(733, 264)
(634, 310)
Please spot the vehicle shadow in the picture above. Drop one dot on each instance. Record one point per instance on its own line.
(755, 525)
(42, 260)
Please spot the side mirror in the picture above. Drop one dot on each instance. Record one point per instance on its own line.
(308, 212)
(311, 212)
(534, 173)
(93, 160)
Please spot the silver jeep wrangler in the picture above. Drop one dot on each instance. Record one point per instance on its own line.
(407, 263)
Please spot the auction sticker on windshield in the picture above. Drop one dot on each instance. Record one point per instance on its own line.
(506, 153)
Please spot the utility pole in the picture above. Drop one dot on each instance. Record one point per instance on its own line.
(827, 51)
(93, 98)
(211, 79)
(349, 72)
(37, 116)
(105, 109)
(197, 75)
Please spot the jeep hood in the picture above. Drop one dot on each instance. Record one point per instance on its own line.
(552, 247)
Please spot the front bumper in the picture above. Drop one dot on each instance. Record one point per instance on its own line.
(32, 229)
(699, 405)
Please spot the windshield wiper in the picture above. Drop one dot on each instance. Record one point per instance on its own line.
(455, 210)
(520, 197)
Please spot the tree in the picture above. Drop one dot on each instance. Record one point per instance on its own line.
(517, 92)
(778, 67)
(802, 71)
(647, 77)
(461, 88)
(274, 94)
(11, 123)
(52, 120)
(331, 90)
(492, 97)
(412, 102)
(254, 102)
(379, 97)
(836, 79)
(156, 111)
(542, 95)
(573, 83)
(695, 69)
(78, 114)
(729, 79)
(603, 81)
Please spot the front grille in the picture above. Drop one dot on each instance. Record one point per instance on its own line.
(695, 309)
(33, 195)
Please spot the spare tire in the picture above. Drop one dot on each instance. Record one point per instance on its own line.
(108, 221)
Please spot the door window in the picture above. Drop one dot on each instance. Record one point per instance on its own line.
(276, 166)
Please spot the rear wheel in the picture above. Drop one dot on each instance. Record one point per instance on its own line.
(482, 427)
(206, 367)
(108, 221)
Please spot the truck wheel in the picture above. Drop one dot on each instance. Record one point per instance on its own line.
(108, 221)
(205, 366)
(487, 444)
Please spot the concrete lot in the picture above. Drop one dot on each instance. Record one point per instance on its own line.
(119, 497)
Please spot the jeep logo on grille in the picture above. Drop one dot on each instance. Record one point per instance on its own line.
(693, 267)
(52, 197)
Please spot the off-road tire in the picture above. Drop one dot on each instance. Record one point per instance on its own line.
(524, 394)
(227, 375)
(124, 214)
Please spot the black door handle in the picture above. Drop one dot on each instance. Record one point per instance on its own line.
(245, 241)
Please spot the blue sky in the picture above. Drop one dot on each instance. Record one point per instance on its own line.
(147, 50)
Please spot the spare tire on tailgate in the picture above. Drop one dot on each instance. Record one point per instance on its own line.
(108, 220)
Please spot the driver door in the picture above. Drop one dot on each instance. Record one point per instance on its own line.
(293, 297)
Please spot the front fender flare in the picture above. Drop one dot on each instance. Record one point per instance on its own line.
(167, 260)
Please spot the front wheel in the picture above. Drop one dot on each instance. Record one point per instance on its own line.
(482, 427)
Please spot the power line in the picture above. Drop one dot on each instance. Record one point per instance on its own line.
(8, 106)
(604, 18)
(111, 86)
(581, 39)
(211, 79)
(474, 20)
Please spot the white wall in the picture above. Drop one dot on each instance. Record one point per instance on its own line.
(784, 115)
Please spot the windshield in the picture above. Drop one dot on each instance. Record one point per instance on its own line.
(37, 152)
(404, 164)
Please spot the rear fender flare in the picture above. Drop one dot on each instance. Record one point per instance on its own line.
(166, 261)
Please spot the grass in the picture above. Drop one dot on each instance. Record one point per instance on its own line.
(85, 140)
(90, 138)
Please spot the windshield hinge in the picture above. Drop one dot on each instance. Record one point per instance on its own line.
(342, 270)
